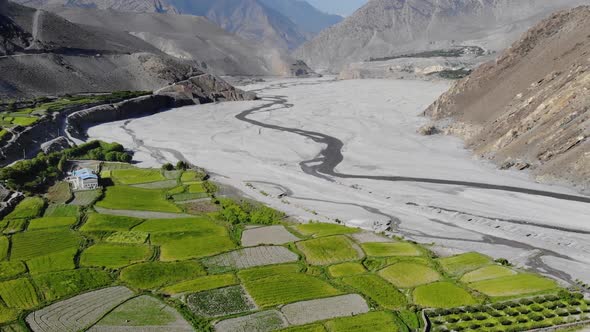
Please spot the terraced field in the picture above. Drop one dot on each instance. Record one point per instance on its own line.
(521, 284)
(460, 264)
(306, 312)
(52, 222)
(380, 249)
(33, 244)
(276, 235)
(378, 290)
(201, 284)
(154, 275)
(442, 295)
(130, 198)
(136, 176)
(253, 257)
(319, 229)
(114, 256)
(330, 250)
(409, 275)
(346, 269)
(220, 302)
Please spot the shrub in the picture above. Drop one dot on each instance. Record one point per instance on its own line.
(549, 314)
(466, 317)
(526, 301)
(522, 319)
(168, 167)
(506, 321)
(496, 314)
(480, 316)
(551, 297)
(181, 165)
(489, 324)
(550, 305)
(452, 319)
(536, 308)
(499, 306)
(512, 312)
(574, 311)
(562, 313)
(524, 310)
(474, 326)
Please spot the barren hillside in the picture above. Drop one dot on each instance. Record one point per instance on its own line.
(530, 107)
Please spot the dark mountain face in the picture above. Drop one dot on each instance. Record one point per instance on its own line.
(306, 16)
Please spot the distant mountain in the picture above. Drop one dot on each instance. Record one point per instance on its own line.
(528, 109)
(384, 28)
(306, 16)
(147, 6)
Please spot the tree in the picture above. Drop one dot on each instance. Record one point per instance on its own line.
(112, 156)
(167, 167)
(125, 157)
(181, 165)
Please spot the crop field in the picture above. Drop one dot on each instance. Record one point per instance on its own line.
(520, 284)
(283, 284)
(128, 237)
(105, 222)
(33, 244)
(320, 229)
(130, 198)
(253, 257)
(85, 198)
(365, 237)
(30, 207)
(194, 225)
(59, 193)
(191, 176)
(263, 321)
(143, 311)
(378, 290)
(58, 261)
(61, 210)
(220, 302)
(201, 284)
(7, 315)
(196, 188)
(15, 226)
(329, 250)
(276, 235)
(4, 245)
(382, 249)
(114, 256)
(488, 272)
(77, 313)
(346, 269)
(305, 328)
(57, 285)
(166, 184)
(52, 222)
(154, 275)
(442, 295)
(136, 176)
(19, 294)
(409, 275)
(12, 269)
(179, 246)
(317, 310)
(111, 166)
(377, 321)
(460, 264)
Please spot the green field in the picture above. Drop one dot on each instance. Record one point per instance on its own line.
(15, 226)
(4, 245)
(346, 269)
(377, 290)
(520, 284)
(220, 302)
(409, 275)
(52, 222)
(61, 210)
(194, 225)
(378, 321)
(196, 188)
(58, 285)
(19, 294)
(12, 269)
(8, 315)
(283, 284)
(140, 311)
(442, 295)
(104, 222)
(183, 246)
(33, 244)
(114, 256)
(85, 198)
(201, 284)
(57, 261)
(191, 176)
(128, 237)
(59, 193)
(130, 198)
(460, 264)
(488, 272)
(30, 207)
(321, 229)
(154, 275)
(328, 250)
(137, 176)
(390, 249)
(305, 328)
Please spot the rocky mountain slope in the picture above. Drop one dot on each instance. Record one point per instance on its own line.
(530, 107)
(385, 28)
(307, 17)
(147, 6)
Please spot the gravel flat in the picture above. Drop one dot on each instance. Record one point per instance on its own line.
(267, 235)
(252, 257)
(315, 310)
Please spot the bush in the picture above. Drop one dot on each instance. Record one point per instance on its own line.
(562, 313)
(452, 319)
(506, 322)
(474, 326)
(168, 167)
(549, 314)
(480, 316)
(245, 212)
(181, 165)
(499, 306)
(466, 317)
(526, 301)
(536, 308)
(489, 324)
(522, 319)
(524, 310)
(574, 311)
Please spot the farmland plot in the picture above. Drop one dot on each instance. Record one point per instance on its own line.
(458, 265)
(85, 198)
(153, 275)
(514, 285)
(7, 315)
(202, 284)
(15, 226)
(30, 207)
(58, 261)
(316, 310)
(380, 249)
(488, 272)
(346, 269)
(442, 295)
(265, 321)
(61, 210)
(330, 250)
(305, 328)
(57, 285)
(51, 222)
(4, 244)
(128, 237)
(253, 257)
(364, 237)
(137, 176)
(166, 184)
(377, 290)
(114, 255)
(276, 235)
(323, 229)
(143, 313)
(79, 312)
(11, 269)
(105, 222)
(373, 321)
(33, 244)
(183, 246)
(220, 302)
(130, 198)
(408, 275)
(19, 294)
(195, 225)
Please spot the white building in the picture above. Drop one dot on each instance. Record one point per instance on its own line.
(83, 179)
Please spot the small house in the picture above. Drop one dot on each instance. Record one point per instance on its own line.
(83, 179)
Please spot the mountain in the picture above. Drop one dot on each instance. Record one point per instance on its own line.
(147, 6)
(307, 17)
(529, 108)
(386, 28)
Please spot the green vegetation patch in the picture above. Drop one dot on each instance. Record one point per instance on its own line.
(378, 321)
(377, 290)
(137, 176)
(19, 294)
(376, 249)
(196, 188)
(85, 198)
(305, 328)
(114, 256)
(8, 315)
(58, 285)
(194, 225)
(202, 284)
(140, 311)
(33, 244)
(442, 295)
(154, 275)
(458, 265)
(220, 302)
(346, 269)
(131, 198)
(62, 210)
(321, 229)
(57, 261)
(30, 207)
(329, 250)
(59, 193)
(486, 273)
(25, 121)
(52, 222)
(15, 226)
(282, 284)
(409, 275)
(181, 246)
(128, 237)
(520, 284)
(105, 222)
(192, 176)
(11, 269)
(4, 245)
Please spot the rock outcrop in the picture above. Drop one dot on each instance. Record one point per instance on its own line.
(530, 108)
(55, 145)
